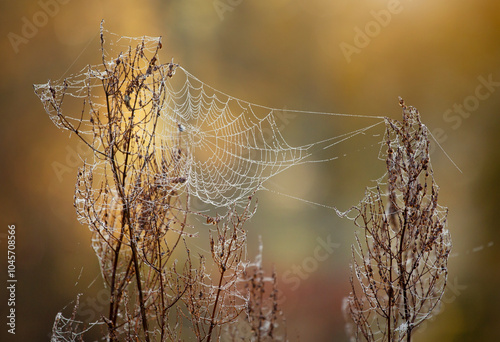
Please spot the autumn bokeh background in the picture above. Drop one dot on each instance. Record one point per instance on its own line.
(302, 54)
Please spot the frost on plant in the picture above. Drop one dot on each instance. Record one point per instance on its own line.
(399, 267)
(133, 196)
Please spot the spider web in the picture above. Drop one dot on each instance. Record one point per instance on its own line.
(236, 146)
(232, 147)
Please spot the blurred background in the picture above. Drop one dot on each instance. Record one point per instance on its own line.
(333, 56)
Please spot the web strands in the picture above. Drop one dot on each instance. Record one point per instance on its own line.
(234, 146)
(65, 95)
(230, 147)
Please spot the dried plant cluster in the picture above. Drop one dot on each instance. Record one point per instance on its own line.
(133, 198)
(399, 268)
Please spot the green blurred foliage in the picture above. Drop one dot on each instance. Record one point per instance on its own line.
(282, 54)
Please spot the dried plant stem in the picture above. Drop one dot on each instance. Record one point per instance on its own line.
(217, 297)
(400, 267)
